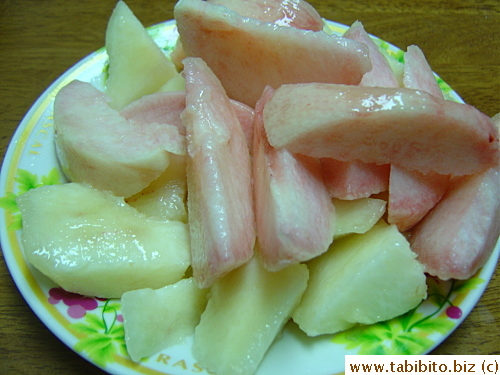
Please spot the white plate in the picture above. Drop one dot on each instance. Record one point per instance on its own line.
(97, 334)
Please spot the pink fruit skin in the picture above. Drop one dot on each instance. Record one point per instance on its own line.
(98, 146)
(294, 13)
(457, 237)
(418, 74)
(247, 54)
(160, 107)
(410, 128)
(220, 206)
(381, 73)
(166, 108)
(295, 217)
(412, 194)
(354, 180)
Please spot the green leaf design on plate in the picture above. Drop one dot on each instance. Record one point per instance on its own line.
(445, 88)
(25, 182)
(9, 202)
(100, 348)
(467, 285)
(104, 336)
(398, 56)
(409, 333)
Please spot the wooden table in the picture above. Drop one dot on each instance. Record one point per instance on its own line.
(40, 40)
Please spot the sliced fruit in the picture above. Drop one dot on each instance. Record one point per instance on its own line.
(137, 66)
(412, 195)
(98, 146)
(166, 108)
(156, 319)
(92, 243)
(357, 216)
(294, 13)
(457, 237)
(165, 198)
(247, 54)
(295, 217)
(363, 278)
(409, 128)
(418, 74)
(246, 311)
(381, 73)
(220, 205)
(354, 179)
(160, 107)
(176, 83)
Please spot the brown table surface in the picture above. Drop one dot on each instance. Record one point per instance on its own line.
(40, 40)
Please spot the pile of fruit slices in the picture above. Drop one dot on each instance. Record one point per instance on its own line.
(259, 172)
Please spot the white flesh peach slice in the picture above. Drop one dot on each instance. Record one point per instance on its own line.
(294, 13)
(245, 313)
(407, 127)
(90, 242)
(418, 74)
(155, 319)
(357, 216)
(363, 278)
(137, 66)
(161, 108)
(98, 146)
(458, 235)
(381, 73)
(355, 179)
(166, 108)
(294, 215)
(220, 205)
(247, 54)
(165, 198)
(412, 195)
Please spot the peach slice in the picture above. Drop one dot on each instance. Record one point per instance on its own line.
(294, 215)
(98, 146)
(409, 128)
(457, 237)
(220, 211)
(247, 54)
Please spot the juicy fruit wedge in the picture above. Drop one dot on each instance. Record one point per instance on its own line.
(156, 319)
(295, 13)
(166, 108)
(363, 278)
(357, 216)
(165, 198)
(176, 83)
(160, 107)
(98, 146)
(294, 215)
(381, 73)
(381, 125)
(354, 179)
(90, 242)
(457, 237)
(412, 195)
(221, 220)
(137, 66)
(247, 54)
(418, 74)
(246, 311)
